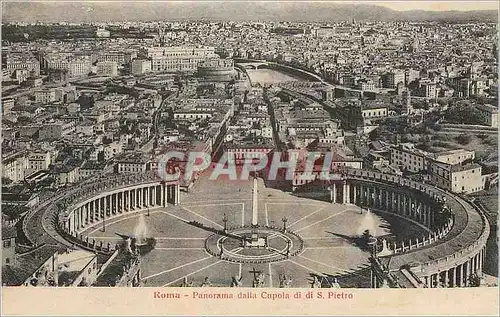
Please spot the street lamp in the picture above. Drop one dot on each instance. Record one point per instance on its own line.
(224, 219)
(104, 221)
(284, 219)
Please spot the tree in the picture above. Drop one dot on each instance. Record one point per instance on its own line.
(6, 181)
(463, 114)
(463, 139)
(425, 146)
(86, 101)
(475, 280)
(375, 134)
(23, 120)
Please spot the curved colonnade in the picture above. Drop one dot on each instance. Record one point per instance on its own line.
(66, 214)
(98, 207)
(452, 252)
(455, 248)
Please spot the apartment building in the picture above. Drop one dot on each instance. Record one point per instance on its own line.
(489, 115)
(45, 96)
(14, 166)
(141, 66)
(409, 158)
(180, 58)
(107, 69)
(454, 156)
(456, 177)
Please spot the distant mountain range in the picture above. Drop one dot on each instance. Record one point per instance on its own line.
(235, 11)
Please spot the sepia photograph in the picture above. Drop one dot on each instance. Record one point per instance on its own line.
(230, 153)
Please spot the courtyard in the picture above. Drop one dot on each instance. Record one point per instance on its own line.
(183, 236)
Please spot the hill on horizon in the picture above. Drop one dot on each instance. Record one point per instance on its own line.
(227, 11)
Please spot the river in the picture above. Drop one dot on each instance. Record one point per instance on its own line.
(269, 76)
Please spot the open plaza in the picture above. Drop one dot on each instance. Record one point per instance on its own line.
(325, 231)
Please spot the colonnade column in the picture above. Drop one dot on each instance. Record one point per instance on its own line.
(451, 279)
(386, 199)
(361, 194)
(80, 217)
(366, 196)
(431, 218)
(460, 274)
(136, 198)
(75, 220)
(84, 215)
(480, 258)
(122, 204)
(355, 194)
(98, 208)
(154, 196)
(369, 194)
(403, 204)
(471, 269)
(173, 194)
(473, 265)
(463, 274)
(110, 204)
(140, 204)
(132, 199)
(107, 206)
(178, 194)
(468, 272)
(411, 207)
(163, 195)
(94, 205)
(393, 202)
(344, 193)
(117, 204)
(428, 215)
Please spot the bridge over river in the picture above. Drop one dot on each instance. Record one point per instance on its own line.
(265, 72)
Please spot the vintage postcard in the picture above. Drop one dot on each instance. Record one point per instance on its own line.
(249, 157)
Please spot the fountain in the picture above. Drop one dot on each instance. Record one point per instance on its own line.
(368, 223)
(139, 242)
(141, 231)
(367, 231)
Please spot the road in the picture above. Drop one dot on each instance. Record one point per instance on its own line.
(148, 146)
(276, 137)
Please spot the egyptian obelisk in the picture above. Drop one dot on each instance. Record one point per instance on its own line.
(255, 207)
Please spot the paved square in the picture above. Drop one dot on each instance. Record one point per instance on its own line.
(181, 252)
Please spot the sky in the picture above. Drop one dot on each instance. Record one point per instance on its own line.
(404, 5)
(437, 5)
(122, 10)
